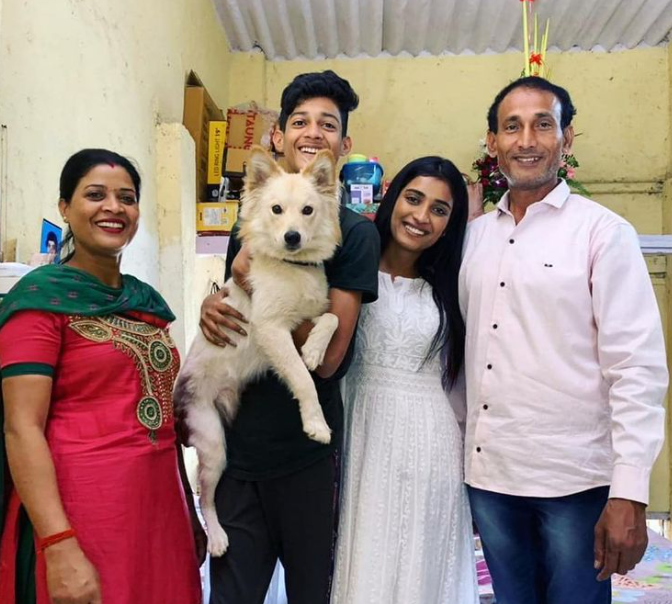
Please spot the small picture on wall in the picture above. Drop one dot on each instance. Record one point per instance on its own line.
(51, 237)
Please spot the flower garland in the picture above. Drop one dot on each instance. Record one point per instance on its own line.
(494, 183)
(487, 170)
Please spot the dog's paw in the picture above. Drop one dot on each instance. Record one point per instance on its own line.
(312, 355)
(218, 542)
(317, 430)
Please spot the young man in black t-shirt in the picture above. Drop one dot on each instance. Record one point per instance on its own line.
(278, 497)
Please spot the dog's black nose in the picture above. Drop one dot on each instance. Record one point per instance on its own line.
(292, 238)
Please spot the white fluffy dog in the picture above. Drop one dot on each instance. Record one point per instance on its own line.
(290, 223)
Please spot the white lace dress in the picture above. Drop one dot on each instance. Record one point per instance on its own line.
(405, 533)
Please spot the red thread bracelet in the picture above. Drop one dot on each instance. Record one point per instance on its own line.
(43, 544)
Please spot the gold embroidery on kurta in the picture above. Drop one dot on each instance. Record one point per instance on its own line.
(151, 349)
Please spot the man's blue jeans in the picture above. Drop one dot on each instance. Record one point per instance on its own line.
(540, 550)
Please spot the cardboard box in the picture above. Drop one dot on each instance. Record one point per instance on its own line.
(216, 217)
(246, 125)
(236, 159)
(245, 128)
(199, 111)
(216, 139)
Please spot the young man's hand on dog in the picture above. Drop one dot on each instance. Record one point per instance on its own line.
(240, 269)
(214, 311)
(217, 315)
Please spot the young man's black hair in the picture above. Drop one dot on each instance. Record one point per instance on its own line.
(568, 111)
(318, 84)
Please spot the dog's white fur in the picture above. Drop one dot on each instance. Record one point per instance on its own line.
(285, 294)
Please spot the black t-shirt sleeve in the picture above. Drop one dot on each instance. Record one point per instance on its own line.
(232, 251)
(355, 266)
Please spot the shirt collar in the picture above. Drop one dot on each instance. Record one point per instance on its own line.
(556, 198)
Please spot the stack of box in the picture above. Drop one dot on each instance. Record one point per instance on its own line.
(205, 122)
(199, 111)
(216, 215)
(216, 141)
(222, 150)
(247, 125)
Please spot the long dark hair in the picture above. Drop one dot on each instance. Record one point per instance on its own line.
(439, 265)
(76, 168)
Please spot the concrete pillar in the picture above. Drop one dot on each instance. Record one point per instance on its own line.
(176, 212)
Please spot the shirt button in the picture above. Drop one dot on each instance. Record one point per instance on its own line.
(511, 240)
(485, 407)
(494, 326)
(478, 449)
(489, 366)
(502, 284)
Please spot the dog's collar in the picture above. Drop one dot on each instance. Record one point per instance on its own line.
(299, 263)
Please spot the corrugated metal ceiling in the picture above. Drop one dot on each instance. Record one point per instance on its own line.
(289, 29)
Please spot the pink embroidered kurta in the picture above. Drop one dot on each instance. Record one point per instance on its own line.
(111, 436)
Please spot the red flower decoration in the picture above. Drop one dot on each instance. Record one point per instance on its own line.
(495, 184)
(535, 59)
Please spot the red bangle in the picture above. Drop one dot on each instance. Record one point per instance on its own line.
(43, 544)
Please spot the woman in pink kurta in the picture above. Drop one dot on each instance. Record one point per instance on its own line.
(117, 474)
(112, 523)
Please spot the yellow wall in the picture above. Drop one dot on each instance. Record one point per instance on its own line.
(660, 476)
(79, 73)
(661, 479)
(97, 73)
(417, 106)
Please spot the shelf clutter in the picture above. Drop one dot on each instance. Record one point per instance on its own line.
(222, 149)
(223, 145)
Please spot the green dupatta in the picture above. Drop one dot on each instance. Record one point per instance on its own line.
(70, 291)
(65, 290)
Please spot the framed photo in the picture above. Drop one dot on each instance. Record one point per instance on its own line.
(51, 237)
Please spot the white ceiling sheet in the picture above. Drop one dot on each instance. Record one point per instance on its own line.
(290, 29)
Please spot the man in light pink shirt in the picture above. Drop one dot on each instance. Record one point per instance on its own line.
(565, 366)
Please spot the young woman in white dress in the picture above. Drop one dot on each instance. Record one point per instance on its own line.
(405, 533)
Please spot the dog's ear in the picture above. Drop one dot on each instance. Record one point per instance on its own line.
(322, 170)
(260, 167)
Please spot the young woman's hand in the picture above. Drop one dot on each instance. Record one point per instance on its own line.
(71, 578)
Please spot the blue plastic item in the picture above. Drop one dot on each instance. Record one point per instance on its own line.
(363, 173)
